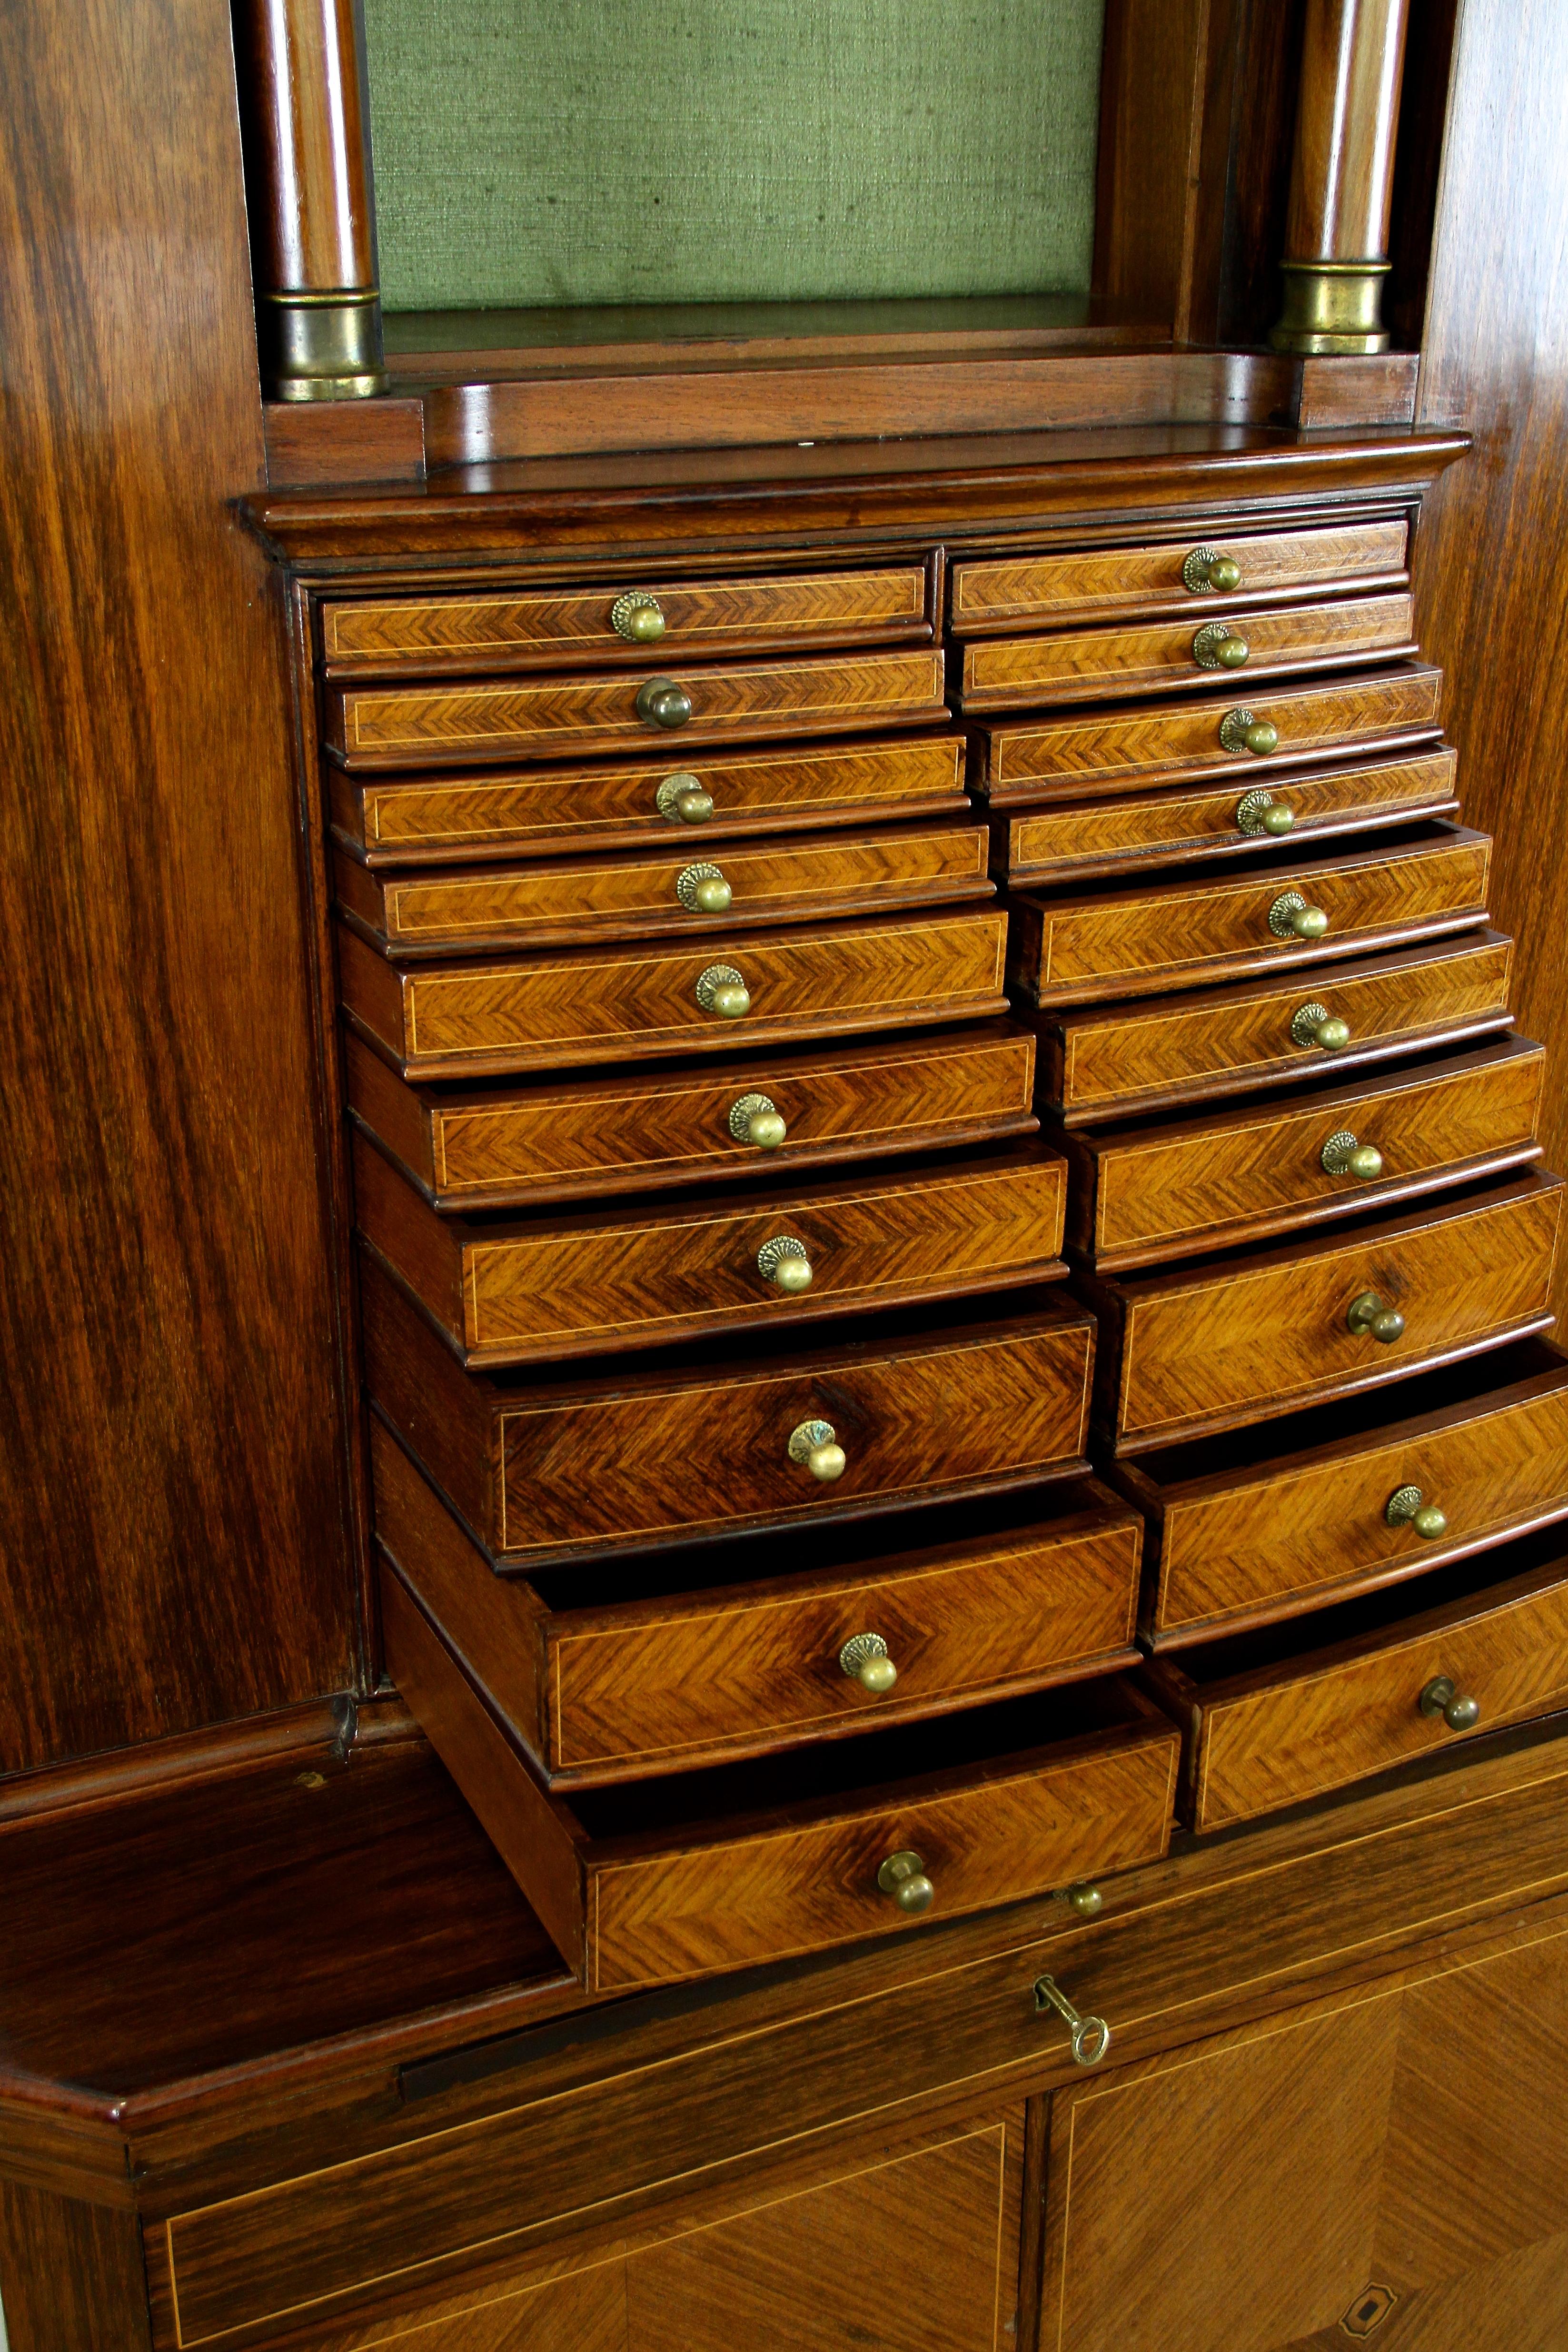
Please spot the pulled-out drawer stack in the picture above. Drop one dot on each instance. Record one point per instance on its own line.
(1275, 1044)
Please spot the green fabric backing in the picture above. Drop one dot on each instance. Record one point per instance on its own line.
(541, 152)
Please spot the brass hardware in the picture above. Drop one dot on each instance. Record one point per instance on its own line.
(1240, 730)
(813, 1445)
(754, 1119)
(1217, 647)
(1090, 2037)
(661, 703)
(784, 1261)
(1331, 306)
(321, 346)
(1367, 1313)
(684, 800)
(1440, 1697)
(637, 618)
(1343, 1156)
(721, 989)
(864, 1659)
(1205, 571)
(1405, 1508)
(1259, 811)
(1086, 1900)
(1314, 1024)
(902, 1877)
(1291, 918)
(702, 891)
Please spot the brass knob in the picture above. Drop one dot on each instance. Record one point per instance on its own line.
(637, 618)
(813, 1445)
(754, 1119)
(1440, 1697)
(1205, 571)
(1086, 1900)
(1291, 918)
(864, 1659)
(1314, 1024)
(1405, 1508)
(902, 1877)
(784, 1261)
(1239, 730)
(661, 703)
(1367, 1313)
(1089, 2037)
(1217, 647)
(683, 800)
(1343, 1156)
(702, 891)
(721, 989)
(1260, 813)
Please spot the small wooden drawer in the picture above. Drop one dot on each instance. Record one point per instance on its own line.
(1174, 828)
(923, 1410)
(623, 621)
(565, 1010)
(1170, 577)
(509, 1146)
(546, 717)
(1234, 1339)
(713, 796)
(592, 1286)
(1173, 1050)
(568, 900)
(649, 1881)
(1124, 750)
(1106, 943)
(1240, 1534)
(1085, 665)
(1268, 1725)
(1144, 1193)
(622, 1675)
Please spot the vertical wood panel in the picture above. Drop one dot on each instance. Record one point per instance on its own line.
(71, 2275)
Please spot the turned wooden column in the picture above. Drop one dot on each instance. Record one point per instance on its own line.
(1336, 239)
(305, 104)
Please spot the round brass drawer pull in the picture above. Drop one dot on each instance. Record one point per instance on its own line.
(1314, 1024)
(1367, 1313)
(1260, 813)
(1240, 731)
(1343, 1156)
(1089, 2037)
(1291, 918)
(721, 989)
(702, 891)
(902, 1877)
(1405, 1508)
(1440, 1697)
(754, 1119)
(1205, 571)
(661, 703)
(813, 1445)
(864, 1659)
(684, 800)
(1086, 1900)
(784, 1261)
(1217, 647)
(637, 617)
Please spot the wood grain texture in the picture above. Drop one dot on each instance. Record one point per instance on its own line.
(140, 1327)
(535, 628)
(71, 2275)
(1160, 1192)
(1029, 762)
(405, 726)
(596, 1283)
(565, 1010)
(1342, 173)
(1224, 1345)
(512, 1146)
(1011, 672)
(1065, 950)
(567, 902)
(1177, 1049)
(312, 443)
(393, 821)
